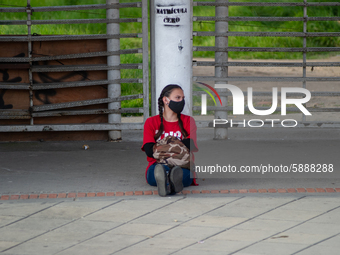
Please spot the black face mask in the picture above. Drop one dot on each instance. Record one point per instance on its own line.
(177, 107)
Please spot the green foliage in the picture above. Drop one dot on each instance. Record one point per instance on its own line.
(131, 88)
(272, 26)
(241, 26)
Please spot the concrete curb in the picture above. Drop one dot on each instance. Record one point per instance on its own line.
(155, 192)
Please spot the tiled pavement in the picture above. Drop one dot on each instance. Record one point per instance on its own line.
(182, 224)
(221, 216)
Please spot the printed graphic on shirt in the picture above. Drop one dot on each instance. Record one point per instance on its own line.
(177, 134)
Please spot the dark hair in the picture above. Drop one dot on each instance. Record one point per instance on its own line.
(166, 93)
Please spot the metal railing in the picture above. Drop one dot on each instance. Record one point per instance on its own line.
(113, 68)
(222, 48)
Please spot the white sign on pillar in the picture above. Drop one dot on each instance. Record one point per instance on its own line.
(173, 47)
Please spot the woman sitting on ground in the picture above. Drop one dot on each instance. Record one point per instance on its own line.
(170, 122)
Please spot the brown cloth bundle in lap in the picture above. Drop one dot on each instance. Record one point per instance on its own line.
(172, 152)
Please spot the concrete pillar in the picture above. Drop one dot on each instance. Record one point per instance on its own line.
(172, 43)
(113, 89)
(221, 58)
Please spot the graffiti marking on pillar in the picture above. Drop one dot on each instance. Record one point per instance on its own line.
(172, 14)
(171, 11)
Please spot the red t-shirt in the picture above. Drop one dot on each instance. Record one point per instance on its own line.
(152, 125)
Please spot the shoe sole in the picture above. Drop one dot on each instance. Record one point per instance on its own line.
(160, 176)
(176, 178)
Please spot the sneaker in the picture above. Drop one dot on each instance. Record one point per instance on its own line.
(161, 180)
(176, 179)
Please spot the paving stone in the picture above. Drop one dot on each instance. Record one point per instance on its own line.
(164, 218)
(246, 253)
(85, 249)
(298, 238)
(103, 244)
(265, 224)
(67, 213)
(214, 221)
(7, 244)
(272, 248)
(4, 220)
(216, 245)
(18, 235)
(324, 204)
(36, 224)
(133, 250)
(22, 208)
(316, 228)
(146, 230)
(196, 206)
(61, 237)
(44, 248)
(167, 243)
(332, 217)
(238, 211)
(244, 235)
(334, 242)
(262, 202)
(114, 215)
(191, 251)
(198, 233)
(76, 231)
(293, 215)
(72, 210)
(318, 249)
(128, 210)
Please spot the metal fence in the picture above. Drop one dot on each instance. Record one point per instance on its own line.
(222, 48)
(113, 68)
